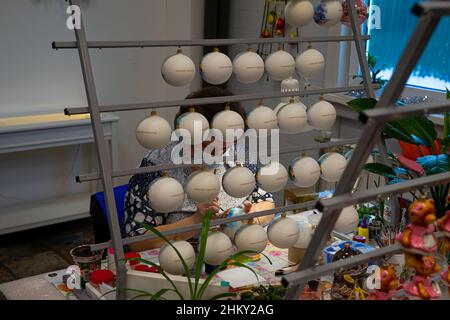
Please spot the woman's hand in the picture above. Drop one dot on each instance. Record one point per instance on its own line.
(257, 207)
(203, 208)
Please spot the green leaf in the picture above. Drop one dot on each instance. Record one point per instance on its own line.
(447, 93)
(406, 129)
(160, 293)
(435, 164)
(223, 295)
(380, 169)
(362, 104)
(395, 131)
(202, 249)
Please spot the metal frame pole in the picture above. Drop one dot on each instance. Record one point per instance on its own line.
(103, 156)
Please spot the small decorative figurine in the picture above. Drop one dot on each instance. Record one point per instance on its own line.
(418, 237)
(444, 226)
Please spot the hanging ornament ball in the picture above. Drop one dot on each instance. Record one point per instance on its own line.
(280, 65)
(283, 233)
(195, 123)
(310, 63)
(178, 70)
(230, 228)
(299, 13)
(304, 172)
(238, 182)
(202, 186)
(248, 67)
(292, 117)
(230, 124)
(348, 220)
(273, 177)
(262, 117)
(290, 85)
(251, 237)
(332, 165)
(165, 195)
(361, 10)
(328, 13)
(170, 261)
(216, 67)
(305, 234)
(218, 248)
(322, 115)
(153, 132)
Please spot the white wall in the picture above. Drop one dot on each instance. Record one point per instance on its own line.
(36, 79)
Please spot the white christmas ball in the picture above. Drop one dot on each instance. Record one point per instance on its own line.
(251, 237)
(178, 70)
(310, 63)
(273, 177)
(348, 220)
(299, 13)
(305, 235)
(292, 117)
(238, 182)
(195, 123)
(328, 13)
(218, 248)
(290, 85)
(153, 132)
(169, 260)
(283, 233)
(231, 228)
(165, 195)
(248, 67)
(332, 165)
(202, 186)
(322, 115)
(262, 117)
(216, 68)
(229, 120)
(280, 65)
(304, 172)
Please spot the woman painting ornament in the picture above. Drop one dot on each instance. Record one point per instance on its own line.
(138, 209)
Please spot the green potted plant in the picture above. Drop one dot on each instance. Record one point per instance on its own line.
(196, 289)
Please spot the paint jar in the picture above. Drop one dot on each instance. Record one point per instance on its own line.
(87, 260)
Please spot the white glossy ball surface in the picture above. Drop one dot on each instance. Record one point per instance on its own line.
(272, 177)
(251, 237)
(283, 233)
(238, 182)
(322, 115)
(328, 13)
(165, 195)
(304, 172)
(310, 63)
(248, 67)
(216, 68)
(280, 65)
(299, 13)
(153, 132)
(202, 186)
(292, 117)
(178, 70)
(229, 120)
(348, 220)
(332, 165)
(195, 123)
(218, 248)
(169, 260)
(262, 117)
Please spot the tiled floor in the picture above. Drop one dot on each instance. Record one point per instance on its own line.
(37, 251)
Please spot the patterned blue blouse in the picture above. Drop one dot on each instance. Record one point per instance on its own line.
(138, 208)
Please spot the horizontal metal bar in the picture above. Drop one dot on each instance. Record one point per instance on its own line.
(213, 100)
(169, 166)
(312, 273)
(201, 42)
(217, 222)
(315, 272)
(436, 8)
(345, 200)
(396, 113)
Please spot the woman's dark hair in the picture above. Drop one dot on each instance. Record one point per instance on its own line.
(210, 110)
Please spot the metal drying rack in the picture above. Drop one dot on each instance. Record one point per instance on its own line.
(430, 15)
